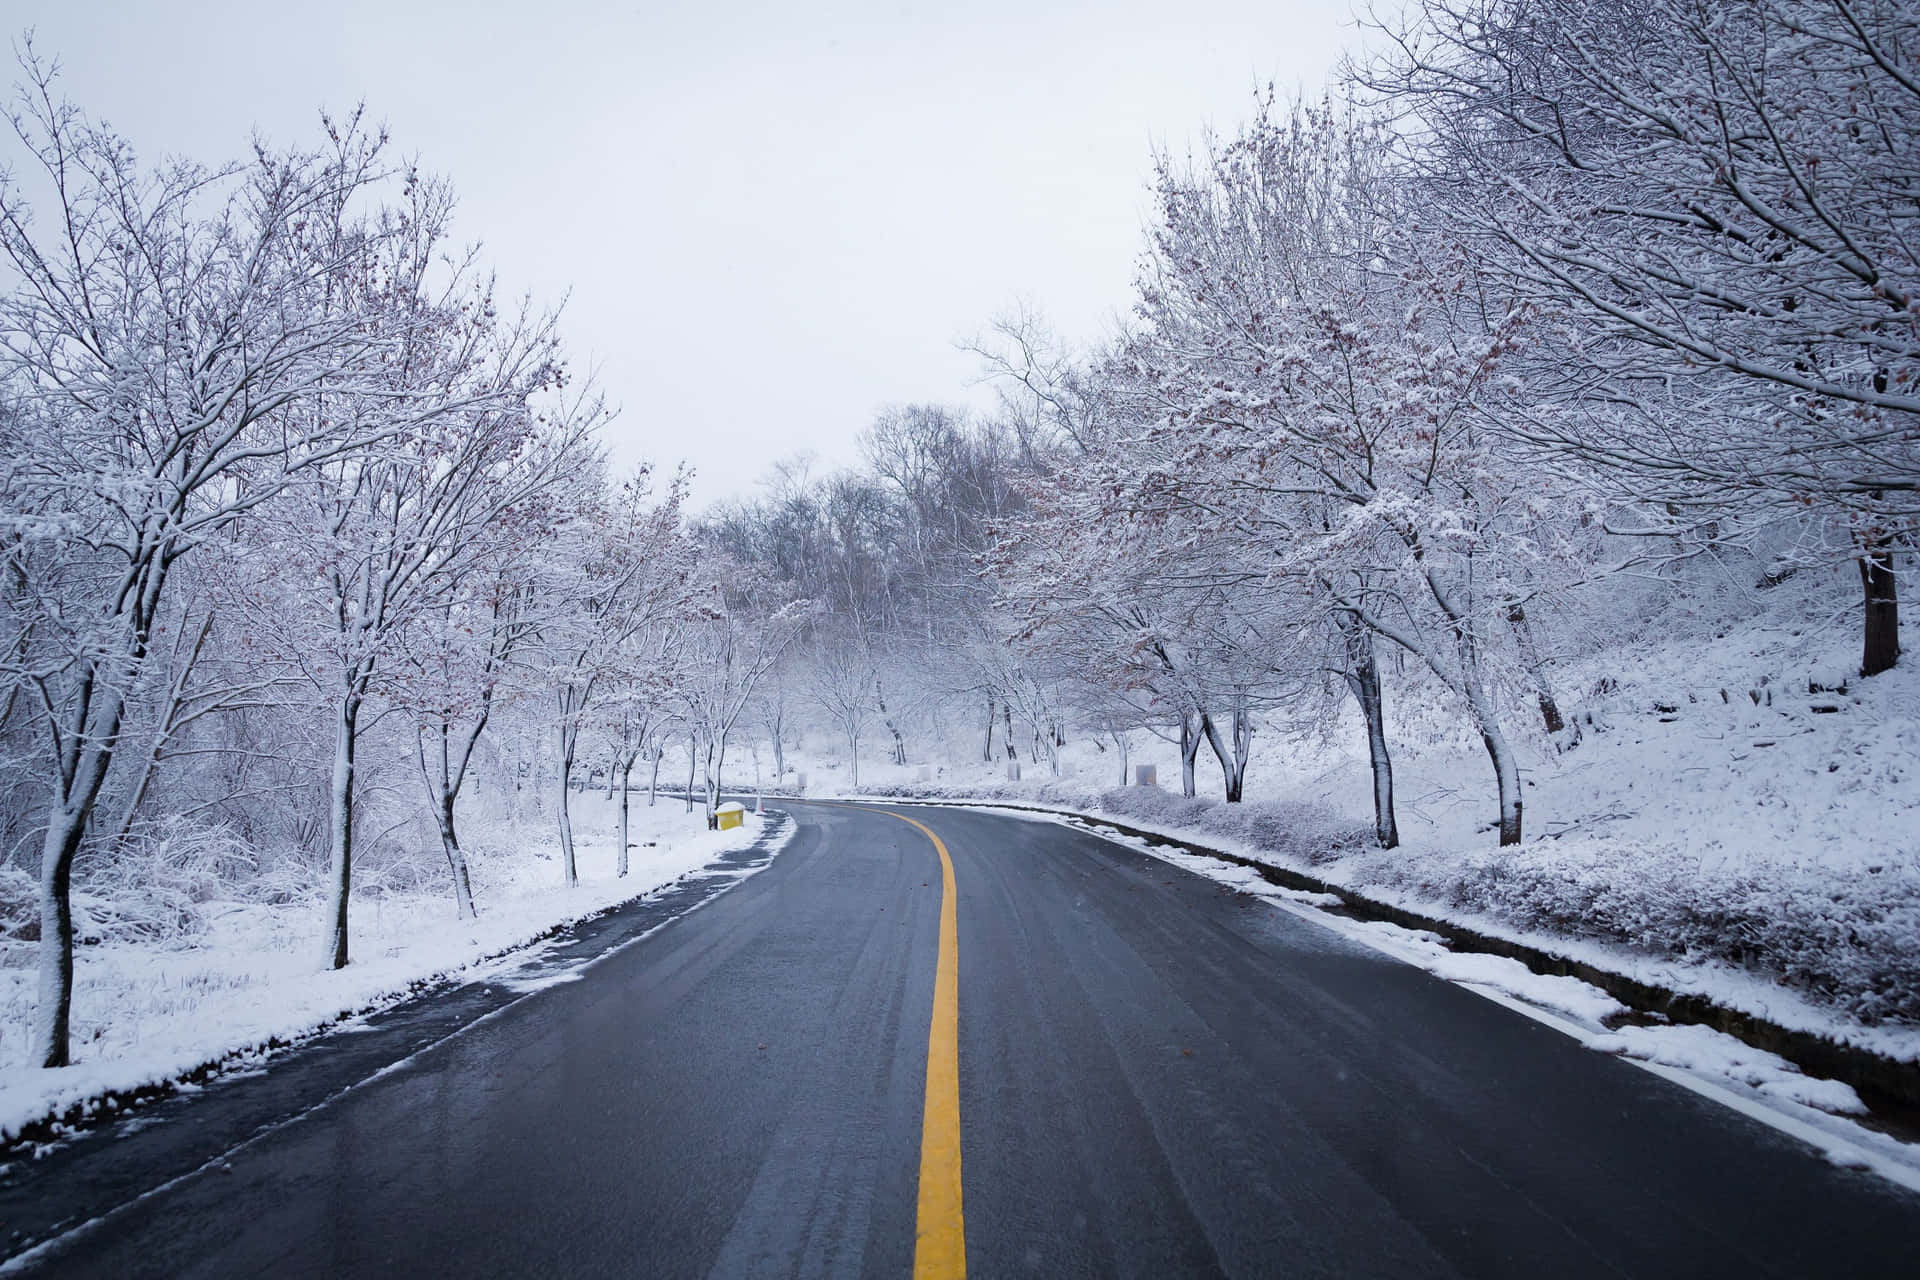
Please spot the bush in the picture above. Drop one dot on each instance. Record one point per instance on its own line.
(19, 904)
(156, 885)
(1844, 938)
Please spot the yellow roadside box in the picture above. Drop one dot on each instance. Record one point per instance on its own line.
(730, 815)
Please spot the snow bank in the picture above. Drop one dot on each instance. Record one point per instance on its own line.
(244, 977)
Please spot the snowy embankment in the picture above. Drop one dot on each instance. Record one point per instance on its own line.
(248, 979)
(1736, 821)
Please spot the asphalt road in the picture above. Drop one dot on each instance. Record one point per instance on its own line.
(1156, 1077)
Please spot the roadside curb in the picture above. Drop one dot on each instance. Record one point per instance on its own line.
(1889, 1087)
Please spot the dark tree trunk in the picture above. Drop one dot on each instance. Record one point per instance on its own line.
(1509, 782)
(340, 835)
(1536, 670)
(1363, 679)
(55, 1010)
(1233, 762)
(886, 718)
(563, 812)
(456, 859)
(1882, 648)
(693, 762)
(626, 773)
(988, 757)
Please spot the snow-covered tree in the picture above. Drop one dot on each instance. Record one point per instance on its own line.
(1311, 382)
(843, 683)
(1716, 202)
(162, 327)
(623, 570)
(739, 634)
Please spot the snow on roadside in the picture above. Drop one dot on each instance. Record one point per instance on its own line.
(1754, 992)
(1711, 1052)
(1762, 1084)
(145, 1015)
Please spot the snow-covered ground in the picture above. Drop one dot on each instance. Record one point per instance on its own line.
(150, 1013)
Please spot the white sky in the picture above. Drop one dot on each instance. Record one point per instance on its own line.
(773, 218)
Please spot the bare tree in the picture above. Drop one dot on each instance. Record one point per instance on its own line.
(730, 649)
(844, 684)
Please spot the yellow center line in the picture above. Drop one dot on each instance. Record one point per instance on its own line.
(940, 1241)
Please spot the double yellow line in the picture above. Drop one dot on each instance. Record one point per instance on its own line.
(940, 1240)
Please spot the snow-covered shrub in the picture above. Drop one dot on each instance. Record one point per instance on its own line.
(1845, 938)
(1063, 793)
(19, 909)
(154, 887)
(1303, 832)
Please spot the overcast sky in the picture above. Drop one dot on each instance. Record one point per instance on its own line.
(773, 219)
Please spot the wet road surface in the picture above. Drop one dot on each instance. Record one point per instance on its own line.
(1156, 1077)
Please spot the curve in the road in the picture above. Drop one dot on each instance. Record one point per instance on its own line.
(1160, 1077)
(940, 1238)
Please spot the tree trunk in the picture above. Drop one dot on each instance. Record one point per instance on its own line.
(988, 756)
(716, 762)
(1233, 763)
(853, 758)
(456, 864)
(77, 789)
(1120, 741)
(886, 718)
(442, 781)
(1509, 776)
(1473, 688)
(92, 732)
(1505, 769)
(340, 831)
(1363, 679)
(653, 780)
(54, 1014)
(1006, 709)
(626, 774)
(1189, 750)
(693, 763)
(1882, 648)
(1536, 669)
(569, 868)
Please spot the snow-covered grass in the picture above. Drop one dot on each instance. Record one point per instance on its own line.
(247, 974)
